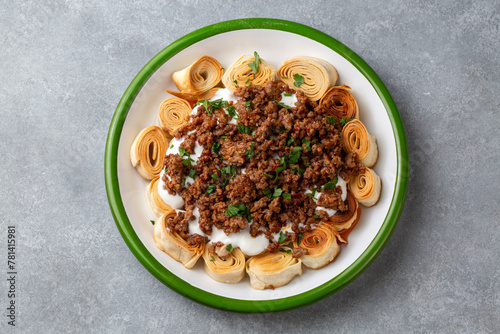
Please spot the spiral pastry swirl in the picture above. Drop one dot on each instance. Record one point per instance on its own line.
(340, 103)
(356, 139)
(229, 269)
(272, 270)
(318, 75)
(240, 73)
(148, 150)
(321, 245)
(174, 245)
(366, 187)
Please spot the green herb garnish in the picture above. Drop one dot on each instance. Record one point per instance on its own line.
(229, 248)
(250, 152)
(244, 129)
(232, 112)
(289, 141)
(286, 196)
(282, 237)
(268, 175)
(331, 185)
(152, 222)
(287, 94)
(316, 216)
(286, 250)
(299, 80)
(239, 210)
(313, 194)
(248, 103)
(183, 184)
(331, 120)
(211, 188)
(215, 147)
(255, 64)
(229, 170)
(212, 258)
(284, 105)
(344, 121)
(192, 173)
(307, 143)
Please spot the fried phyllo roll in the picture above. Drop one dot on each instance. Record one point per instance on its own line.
(355, 138)
(148, 150)
(340, 103)
(173, 113)
(310, 75)
(272, 270)
(225, 268)
(196, 79)
(366, 187)
(248, 70)
(185, 251)
(321, 245)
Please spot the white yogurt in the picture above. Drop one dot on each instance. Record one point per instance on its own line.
(194, 225)
(340, 182)
(289, 100)
(175, 201)
(242, 239)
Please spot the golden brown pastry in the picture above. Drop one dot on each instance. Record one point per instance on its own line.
(148, 150)
(366, 187)
(355, 138)
(241, 74)
(229, 269)
(318, 75)
(340, 103)
(321, 245)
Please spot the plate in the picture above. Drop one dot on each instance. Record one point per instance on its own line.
(275, 41)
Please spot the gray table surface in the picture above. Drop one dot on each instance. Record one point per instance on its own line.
(64, 66)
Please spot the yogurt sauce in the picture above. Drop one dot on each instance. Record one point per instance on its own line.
(289, 100)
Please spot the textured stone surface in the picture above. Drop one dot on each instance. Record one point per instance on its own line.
(65, 65)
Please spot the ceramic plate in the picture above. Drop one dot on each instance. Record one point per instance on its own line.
(275, 41)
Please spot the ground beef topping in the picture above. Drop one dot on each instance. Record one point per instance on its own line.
(274, 167)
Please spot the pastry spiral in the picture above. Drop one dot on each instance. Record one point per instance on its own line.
(148, 150)
(340, 103)
(319, 75)
(230, 269)
(174, 245)
(356, 139)
(155, 201)
(199, 77)
(173, 113)
(366, 187)
(190, 97)
(272, 270)
(239, 73)
(321, 245)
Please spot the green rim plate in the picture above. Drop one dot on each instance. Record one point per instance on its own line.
(237, 305)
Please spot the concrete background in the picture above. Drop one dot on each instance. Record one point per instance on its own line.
(63, 68)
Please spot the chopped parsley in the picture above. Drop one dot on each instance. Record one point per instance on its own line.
(331, 120)
(215, 147)
(313, 194)
(307, 143)
(172, 146)
(254, 132)
(273, 194)
(250, 152)
(284, 77)
(235, 82)
(331, 185)
(299, 80)
(232, 112)
(287, 94)
(248, 103)
(214, 176)
(283, 131)
(316, 216)
(247, 80)
(211, 188)
(286, 196)
(212, 258)
(299, 239)
(268, 175)
(223, 137)
(229, 170)
(210, 106)
(188, 161)
(152, 222)
(284, 105)
(282, 237)
(183, 184)
(344, 121)
(229, 248)
(192, 173)
(239, 210)
(244, 129)
(255, 64)
(285, 250)
(289, 141)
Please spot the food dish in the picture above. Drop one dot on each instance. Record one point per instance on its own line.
(382, 115)
(256, 163)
